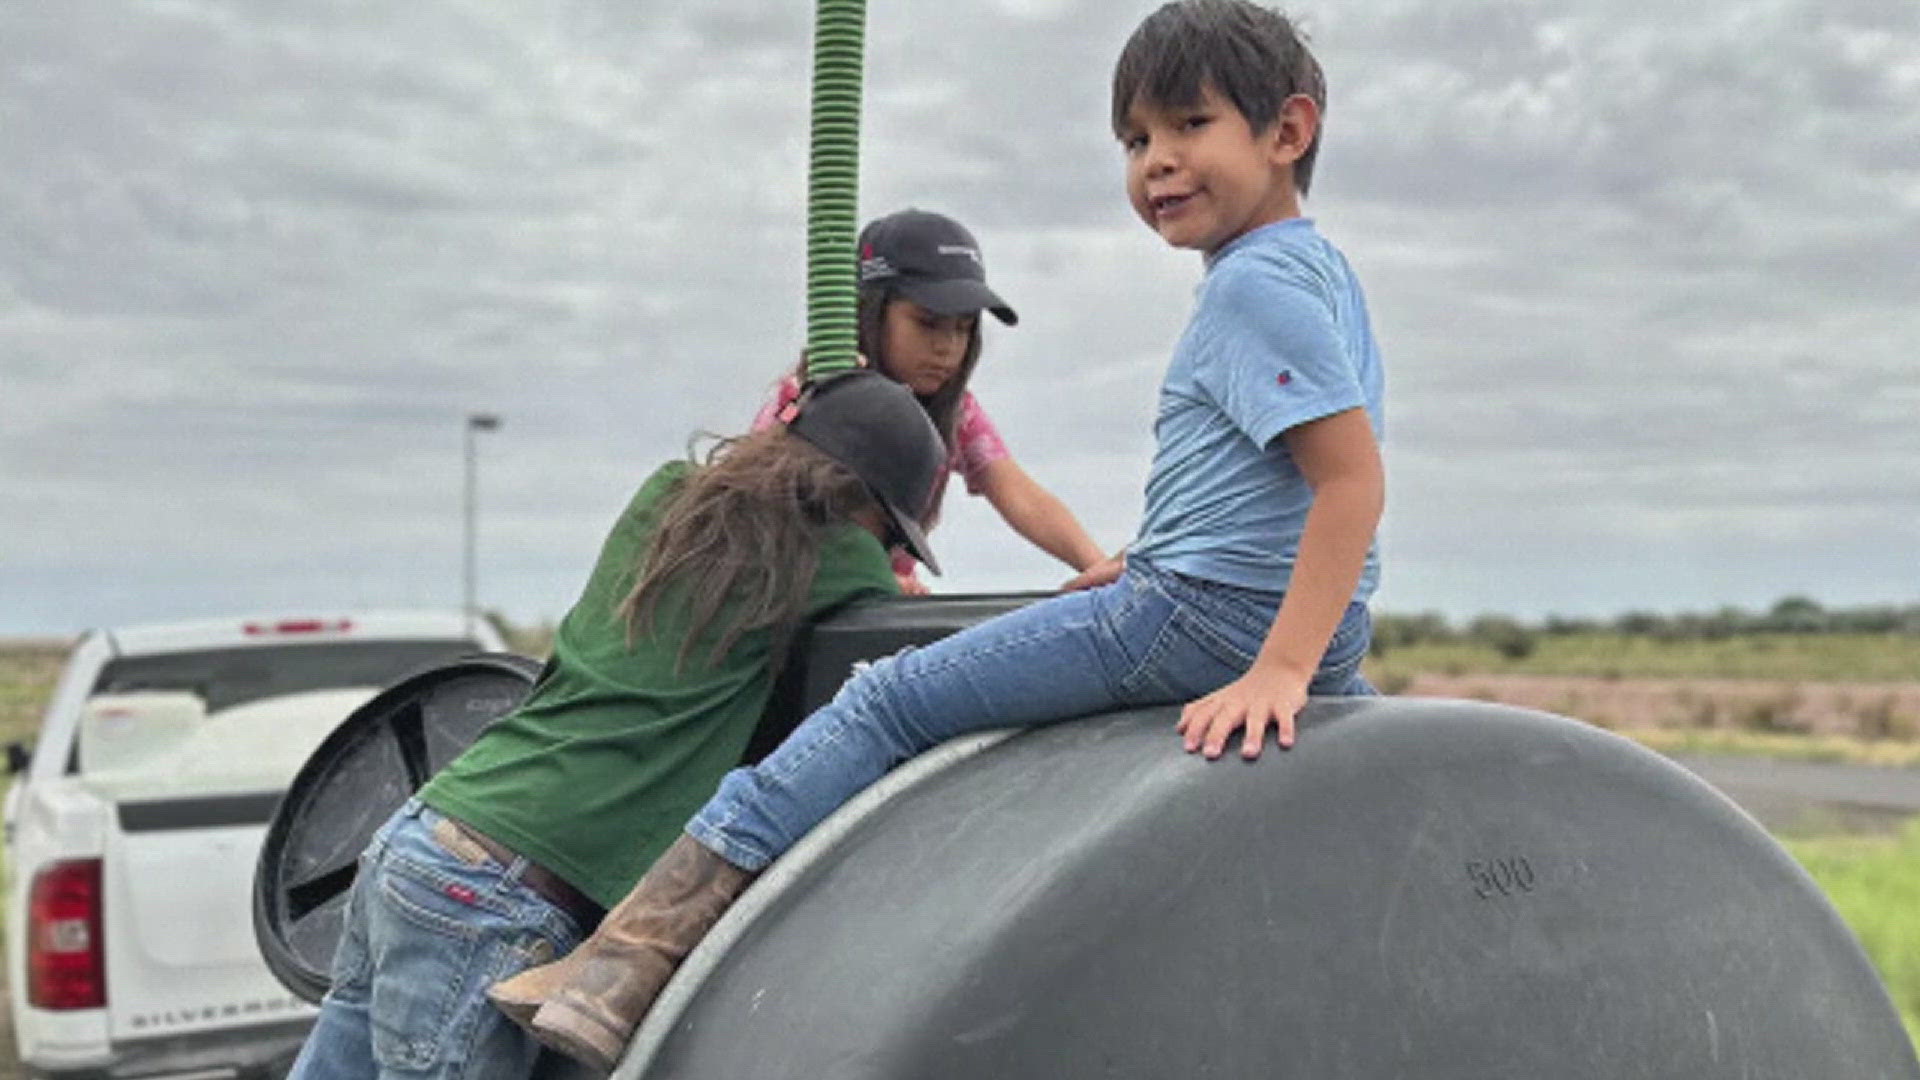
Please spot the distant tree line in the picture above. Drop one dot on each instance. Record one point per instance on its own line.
(1516, 638)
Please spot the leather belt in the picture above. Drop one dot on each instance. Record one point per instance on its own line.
(551, 886)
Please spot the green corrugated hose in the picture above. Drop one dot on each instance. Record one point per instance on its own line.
(833, 175)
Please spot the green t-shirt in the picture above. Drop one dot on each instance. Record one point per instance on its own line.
(600, 769)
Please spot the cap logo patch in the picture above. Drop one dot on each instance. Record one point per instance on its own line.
(960, 249)
(1285, 377)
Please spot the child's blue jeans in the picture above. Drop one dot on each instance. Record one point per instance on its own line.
(426, 932)
(1150, 638)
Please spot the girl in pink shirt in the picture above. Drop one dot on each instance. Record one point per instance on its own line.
(922, 288)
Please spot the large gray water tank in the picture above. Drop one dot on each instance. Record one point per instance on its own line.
(1421, 889)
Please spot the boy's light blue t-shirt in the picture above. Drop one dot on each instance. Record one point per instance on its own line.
(1279, 336)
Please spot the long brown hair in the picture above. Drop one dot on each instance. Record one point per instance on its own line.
(738, 540)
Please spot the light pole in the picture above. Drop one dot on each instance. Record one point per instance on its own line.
(476, 422)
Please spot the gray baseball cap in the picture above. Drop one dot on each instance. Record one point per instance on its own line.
(879, 430)
(931, 260)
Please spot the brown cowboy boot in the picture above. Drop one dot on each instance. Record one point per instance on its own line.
(587, 1004)
(520, 996)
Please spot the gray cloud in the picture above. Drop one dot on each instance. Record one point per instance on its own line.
(1645, 279)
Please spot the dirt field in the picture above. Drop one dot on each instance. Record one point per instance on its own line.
(1859, 710)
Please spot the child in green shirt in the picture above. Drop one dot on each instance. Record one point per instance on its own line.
(659, 675)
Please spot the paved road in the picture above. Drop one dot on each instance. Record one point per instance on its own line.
(1783, 794)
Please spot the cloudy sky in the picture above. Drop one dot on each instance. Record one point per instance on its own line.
(1645, 276)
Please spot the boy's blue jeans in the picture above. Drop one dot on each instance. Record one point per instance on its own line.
(426, 933)
(1151, 637)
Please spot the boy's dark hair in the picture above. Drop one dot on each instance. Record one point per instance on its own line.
(1253, 55)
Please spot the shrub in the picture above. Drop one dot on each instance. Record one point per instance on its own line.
(1777, 713)
(1503, 635)
(1393, 682)
(1882, 718)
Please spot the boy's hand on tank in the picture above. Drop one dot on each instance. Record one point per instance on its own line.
(911, 585)
(1264, 695)
(1105, 572)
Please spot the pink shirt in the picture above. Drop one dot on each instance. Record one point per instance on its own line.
(976, 445)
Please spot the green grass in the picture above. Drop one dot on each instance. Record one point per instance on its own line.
(27, 673)
(1789, 747)
(1608, 655)
(1874, 881)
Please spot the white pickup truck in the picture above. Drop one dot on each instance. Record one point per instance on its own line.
(133, 826)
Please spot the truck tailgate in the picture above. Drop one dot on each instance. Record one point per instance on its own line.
(182, 842)
(180, 951)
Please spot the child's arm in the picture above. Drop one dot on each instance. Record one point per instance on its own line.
(1105, 572)
(1340, 460)
(1037, 514)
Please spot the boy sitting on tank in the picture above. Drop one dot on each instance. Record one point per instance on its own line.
(1246, 587)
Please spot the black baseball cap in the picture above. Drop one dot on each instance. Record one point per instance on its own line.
(931, 260)
(879, 430)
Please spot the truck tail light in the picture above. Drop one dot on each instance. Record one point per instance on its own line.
(66, 958)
